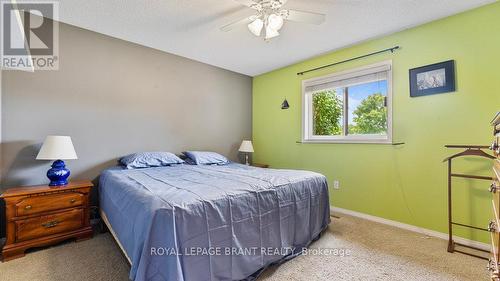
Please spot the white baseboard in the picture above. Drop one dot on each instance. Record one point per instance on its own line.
(413, 228)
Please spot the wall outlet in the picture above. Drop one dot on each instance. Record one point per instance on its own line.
(336, 184)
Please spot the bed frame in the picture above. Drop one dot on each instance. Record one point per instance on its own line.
(113, 233)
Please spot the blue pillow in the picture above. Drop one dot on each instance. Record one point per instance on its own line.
(206, 158)
(150, 159)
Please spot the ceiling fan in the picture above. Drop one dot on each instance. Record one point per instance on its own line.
(271, 16)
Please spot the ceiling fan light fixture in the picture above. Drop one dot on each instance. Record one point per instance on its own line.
(270, 17)
(271, 33)
(275, 22)
(256, 26)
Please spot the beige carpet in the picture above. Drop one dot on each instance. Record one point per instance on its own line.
(376, 252)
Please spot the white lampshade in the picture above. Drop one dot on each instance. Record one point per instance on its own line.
(271, 33)
(57, 148)
(275, 22)
(256, 27)
(246, 146)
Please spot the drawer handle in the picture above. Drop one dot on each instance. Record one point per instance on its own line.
(72, 201)
(493, 187)
(28, 207)
(492, 226)
(50, 224)
(494, 146)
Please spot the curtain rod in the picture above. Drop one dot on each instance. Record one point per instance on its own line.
(351, 59)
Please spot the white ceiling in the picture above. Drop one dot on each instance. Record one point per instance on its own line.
(190, 28)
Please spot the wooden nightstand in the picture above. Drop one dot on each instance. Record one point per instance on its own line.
(42, 215)
(260, 165)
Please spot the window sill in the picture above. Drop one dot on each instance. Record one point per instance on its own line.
(349, 141)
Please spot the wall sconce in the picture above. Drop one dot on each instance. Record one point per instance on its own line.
(285, 104)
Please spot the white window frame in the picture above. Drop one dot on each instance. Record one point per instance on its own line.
(307, 122)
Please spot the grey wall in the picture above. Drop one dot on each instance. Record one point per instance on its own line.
(113, 98)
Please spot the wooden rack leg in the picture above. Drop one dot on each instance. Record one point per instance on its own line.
(451, 246)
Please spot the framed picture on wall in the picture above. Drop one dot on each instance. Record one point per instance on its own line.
(432, 79)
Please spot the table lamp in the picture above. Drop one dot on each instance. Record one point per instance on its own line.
(246, 147)
(57, 148)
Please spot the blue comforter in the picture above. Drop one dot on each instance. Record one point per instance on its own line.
(228, 222)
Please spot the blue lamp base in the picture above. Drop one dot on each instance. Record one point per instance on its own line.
(58, 174)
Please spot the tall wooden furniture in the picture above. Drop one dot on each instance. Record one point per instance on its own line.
(494, 224)
(42, 215)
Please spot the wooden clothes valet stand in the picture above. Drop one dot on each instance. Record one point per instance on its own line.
(470, 150)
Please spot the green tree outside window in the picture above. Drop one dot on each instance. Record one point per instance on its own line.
(370, 117)
(327, 113)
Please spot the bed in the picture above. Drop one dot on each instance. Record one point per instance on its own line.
(229, 222)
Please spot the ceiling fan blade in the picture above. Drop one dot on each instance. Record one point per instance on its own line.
(307, 17)
(248, 3)
(232, 25)
(340, 2)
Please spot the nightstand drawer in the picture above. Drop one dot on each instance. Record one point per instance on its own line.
(42, 215)
(38, 204)
(50, 224)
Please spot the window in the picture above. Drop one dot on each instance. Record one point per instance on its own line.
(352, 106)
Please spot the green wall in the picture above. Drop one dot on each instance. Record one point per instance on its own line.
(404, 183)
